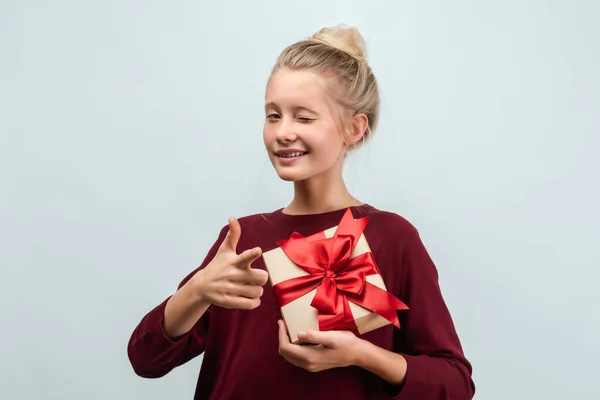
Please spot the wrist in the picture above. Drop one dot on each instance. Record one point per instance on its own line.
(194, 292)
(362, 353)
(389, 366)
(183, 310)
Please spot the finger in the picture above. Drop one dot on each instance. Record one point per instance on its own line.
(258, 276)
(242, 303)
(293, 361)
(247, 257)
(327, 339)
(286, 347)
(233, 235)
(284, 339)
(249, 291)
(249, 276)
(295, 354)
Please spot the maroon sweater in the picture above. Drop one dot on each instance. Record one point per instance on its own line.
(241, 359)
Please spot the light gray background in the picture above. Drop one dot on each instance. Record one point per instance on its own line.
(131, 130)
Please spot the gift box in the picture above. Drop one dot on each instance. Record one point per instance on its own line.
(330, 281)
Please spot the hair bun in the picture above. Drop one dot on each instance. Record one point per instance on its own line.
(344, 38)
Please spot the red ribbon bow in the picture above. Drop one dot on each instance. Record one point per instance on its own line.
(337, 277)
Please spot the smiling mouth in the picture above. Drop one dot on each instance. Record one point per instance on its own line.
(292, 154)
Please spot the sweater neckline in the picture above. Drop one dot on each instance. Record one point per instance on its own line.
(332, 215)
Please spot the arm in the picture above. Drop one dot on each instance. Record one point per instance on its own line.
(174, 332)
(183, 310)
(429, 364)
(389, 366)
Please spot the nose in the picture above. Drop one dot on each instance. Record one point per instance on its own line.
(285, 133)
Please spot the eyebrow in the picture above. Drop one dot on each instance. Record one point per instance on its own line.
(295, 108)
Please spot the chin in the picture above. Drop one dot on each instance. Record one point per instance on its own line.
(290, 177)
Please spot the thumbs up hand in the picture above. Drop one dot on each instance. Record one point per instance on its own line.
(228, 280)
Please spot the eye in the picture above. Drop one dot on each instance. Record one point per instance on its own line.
(273, 117)
(305, 120)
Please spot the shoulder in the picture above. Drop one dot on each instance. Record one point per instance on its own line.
(257, 220)
(257, 224)
(249, 222)
(397, 246)
(390, 223)
(393, 233)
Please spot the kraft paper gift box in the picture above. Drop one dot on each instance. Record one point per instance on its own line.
(299, 315)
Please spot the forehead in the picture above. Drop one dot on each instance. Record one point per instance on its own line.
(288, 87)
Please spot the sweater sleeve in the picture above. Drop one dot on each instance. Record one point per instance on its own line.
(436, 366)
(151, 353)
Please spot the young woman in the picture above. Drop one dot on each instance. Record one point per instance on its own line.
(322, 101)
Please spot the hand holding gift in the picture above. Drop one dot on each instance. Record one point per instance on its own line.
(332, 349)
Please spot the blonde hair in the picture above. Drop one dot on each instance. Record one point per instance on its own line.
(338, 52)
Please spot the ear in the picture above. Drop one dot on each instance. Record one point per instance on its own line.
(356, 130)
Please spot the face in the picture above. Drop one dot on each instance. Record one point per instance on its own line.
(300, 132)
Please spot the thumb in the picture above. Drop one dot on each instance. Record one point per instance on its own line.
(325, 338)
(233, 236)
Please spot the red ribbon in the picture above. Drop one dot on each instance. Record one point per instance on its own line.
(337, 278)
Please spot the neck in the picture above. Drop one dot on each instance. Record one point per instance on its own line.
(320, 195)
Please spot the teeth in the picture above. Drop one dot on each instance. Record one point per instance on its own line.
(290, 155)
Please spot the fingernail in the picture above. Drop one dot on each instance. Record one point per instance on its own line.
(301, 335)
